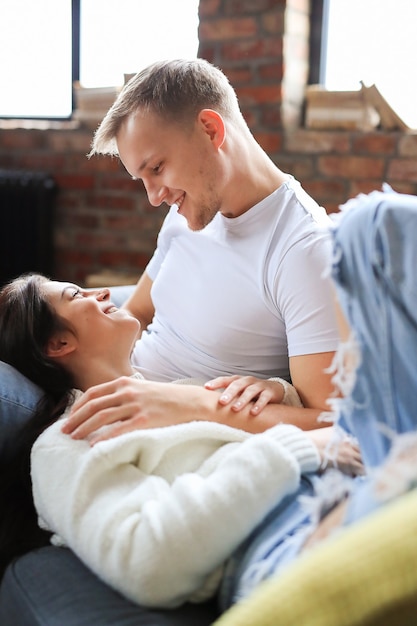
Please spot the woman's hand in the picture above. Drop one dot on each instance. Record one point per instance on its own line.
(340, 453)
(126, 404)
(239, 391)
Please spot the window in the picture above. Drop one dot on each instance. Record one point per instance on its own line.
(47, 44)
(371, 41)
(35, 53)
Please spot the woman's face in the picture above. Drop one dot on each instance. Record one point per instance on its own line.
(90, 315)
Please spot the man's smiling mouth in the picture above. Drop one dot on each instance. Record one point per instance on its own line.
(179, 201)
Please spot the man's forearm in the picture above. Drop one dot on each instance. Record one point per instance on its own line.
(208, 408)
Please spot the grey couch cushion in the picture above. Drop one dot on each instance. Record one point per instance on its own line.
(18, 399)
(51, 587)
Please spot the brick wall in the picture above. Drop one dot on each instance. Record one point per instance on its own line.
(103, 219)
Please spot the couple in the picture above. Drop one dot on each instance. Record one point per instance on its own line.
(259, 227)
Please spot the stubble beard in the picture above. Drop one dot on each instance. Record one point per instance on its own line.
(204, 217)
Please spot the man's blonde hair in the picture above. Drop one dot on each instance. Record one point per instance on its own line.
(175, 90)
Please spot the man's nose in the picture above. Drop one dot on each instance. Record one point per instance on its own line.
(156, 194)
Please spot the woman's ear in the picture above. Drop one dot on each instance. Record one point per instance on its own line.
(60, 345)
(213, 125)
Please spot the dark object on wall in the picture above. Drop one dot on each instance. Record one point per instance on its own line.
(26, 223)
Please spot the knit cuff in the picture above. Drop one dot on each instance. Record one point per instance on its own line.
(291, 397)
(299, 444)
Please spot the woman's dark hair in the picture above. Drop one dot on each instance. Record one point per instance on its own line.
(27, 322)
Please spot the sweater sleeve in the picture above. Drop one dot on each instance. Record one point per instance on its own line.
(154, 541)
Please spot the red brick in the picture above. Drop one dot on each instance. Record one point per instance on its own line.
(79, 162)
(270, 142)
(207, 51)
(249, 115)
(22, 139)
(266, 48)
(227, 28)
(273, 23)
(259, 94)
(363, 186)
(70, 181)
(44, 161)
(301, 167)
(314, 141)
(241, 75)
(74, 221)
(407, 145)
(375, 143)
(118, 259)
(403, 169)
(122, 183)
(127, 224)
(404, 187)
(70, 256)
(69, 141)
(237, 7)
(326, 190)
(114, 202)
(208, 7)
(271, 117)
(272, 71)
(351, 166)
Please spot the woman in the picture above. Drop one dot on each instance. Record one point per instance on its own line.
(187, 494)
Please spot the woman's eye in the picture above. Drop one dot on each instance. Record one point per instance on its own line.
(157, 168)
(75, 292)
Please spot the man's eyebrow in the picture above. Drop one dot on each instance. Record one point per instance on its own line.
(143, 165)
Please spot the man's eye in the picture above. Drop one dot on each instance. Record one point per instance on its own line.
(157, 168)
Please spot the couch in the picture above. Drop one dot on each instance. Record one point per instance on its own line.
(364, 576)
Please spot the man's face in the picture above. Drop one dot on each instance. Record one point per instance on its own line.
(177, 165)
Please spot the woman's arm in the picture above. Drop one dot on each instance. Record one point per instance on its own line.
(155, 541)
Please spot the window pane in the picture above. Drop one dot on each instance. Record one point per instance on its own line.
(35, 58)
(374, 41)
(124, 36)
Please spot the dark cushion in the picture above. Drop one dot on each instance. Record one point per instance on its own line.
(51, 587)
(18, 399)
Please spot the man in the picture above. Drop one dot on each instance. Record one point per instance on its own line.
(236, 285)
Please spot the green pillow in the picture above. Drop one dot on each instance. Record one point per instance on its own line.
(366, 575)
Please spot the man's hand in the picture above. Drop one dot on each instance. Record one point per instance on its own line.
(239, 391)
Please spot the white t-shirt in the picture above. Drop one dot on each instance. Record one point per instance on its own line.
(241, 295)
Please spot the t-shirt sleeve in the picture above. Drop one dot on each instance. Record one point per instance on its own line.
(305, 297)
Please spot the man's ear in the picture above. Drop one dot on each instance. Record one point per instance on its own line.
(213, 124)
(60, 345)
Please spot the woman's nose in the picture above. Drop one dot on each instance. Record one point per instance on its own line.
(103, 294)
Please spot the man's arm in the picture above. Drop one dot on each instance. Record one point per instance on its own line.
(310, 377)
(140, 302)
(239, 391)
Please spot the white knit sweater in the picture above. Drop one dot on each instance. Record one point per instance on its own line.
(155, 513)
